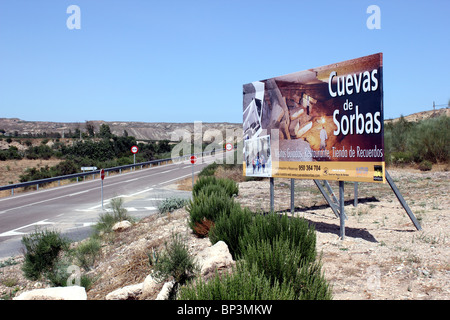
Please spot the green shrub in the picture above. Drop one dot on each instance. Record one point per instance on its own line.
(430, 140)
(170, 204)
(42, 249)
(244, 283)
(208, 207)
(107, 220)
(272, 226)
(282, 260)
(230, 187)
(402, 157)
(60, 275)
(229, 227)
(406, 142)
(119, 212)
(175, 261)
(425, 165)
(88, 252)
(209, 170)
(104, 224)
(210, 189)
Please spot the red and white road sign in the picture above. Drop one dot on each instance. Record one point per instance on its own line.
(193, 159)
(134, 149)
(229, 146)
(102, 174)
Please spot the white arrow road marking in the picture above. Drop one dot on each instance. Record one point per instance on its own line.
(14, 232)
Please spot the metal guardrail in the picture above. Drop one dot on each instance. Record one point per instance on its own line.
(93, 173)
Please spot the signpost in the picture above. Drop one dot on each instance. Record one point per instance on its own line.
(193, 161)
(87, 169)
(102, 176)
(134, 150)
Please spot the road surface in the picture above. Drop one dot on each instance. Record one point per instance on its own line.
(72, 209)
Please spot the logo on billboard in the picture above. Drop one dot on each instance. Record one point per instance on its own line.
(377, 173)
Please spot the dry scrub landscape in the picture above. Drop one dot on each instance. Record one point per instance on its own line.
(382, 256)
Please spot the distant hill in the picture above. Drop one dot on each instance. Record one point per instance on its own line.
(140, 130)
(148, 130)
(423, 115)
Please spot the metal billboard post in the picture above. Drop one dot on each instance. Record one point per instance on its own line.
(341, 206)
(272, 207)
(292, 196)
(402, 201)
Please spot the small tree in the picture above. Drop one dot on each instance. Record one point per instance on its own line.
(105, 132)
(176, 262)
(90, 128)
(42, 249)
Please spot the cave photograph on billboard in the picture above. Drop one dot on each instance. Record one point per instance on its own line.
(322, 123)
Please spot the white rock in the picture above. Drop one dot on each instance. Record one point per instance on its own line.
(148, 285)
(55, 293)
(216, 256)
(122, 225)
(165, 291)
(126, 293)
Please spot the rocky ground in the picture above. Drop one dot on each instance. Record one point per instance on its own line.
(382, 256)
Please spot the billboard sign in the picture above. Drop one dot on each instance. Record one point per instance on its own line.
(323, 123)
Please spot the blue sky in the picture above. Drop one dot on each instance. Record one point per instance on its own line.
(186, 61)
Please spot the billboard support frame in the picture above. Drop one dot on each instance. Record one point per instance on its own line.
(402, 201)
(338, 206)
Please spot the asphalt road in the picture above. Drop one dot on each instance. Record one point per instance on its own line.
(72, 209)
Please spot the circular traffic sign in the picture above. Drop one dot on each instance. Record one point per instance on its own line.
(134, 149)
(229, 146)
(102, 174)
(193, 159)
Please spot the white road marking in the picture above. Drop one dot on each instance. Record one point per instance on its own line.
(14, 232)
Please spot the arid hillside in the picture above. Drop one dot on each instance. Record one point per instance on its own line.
(146, 130)
(140, 130)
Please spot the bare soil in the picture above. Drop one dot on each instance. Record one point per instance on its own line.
(382, 256)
